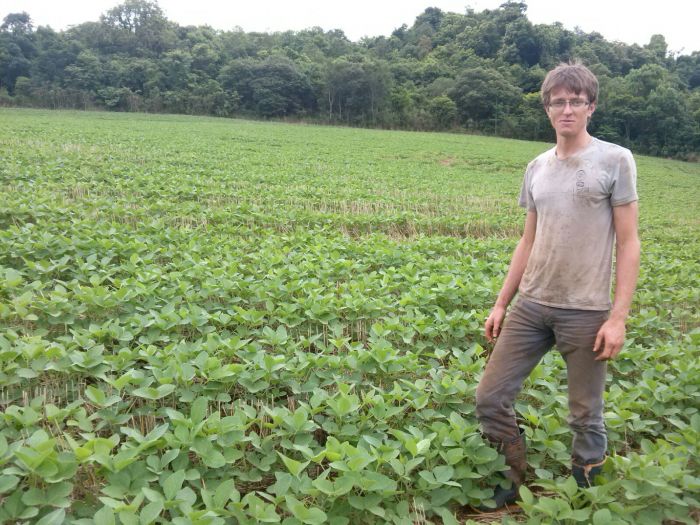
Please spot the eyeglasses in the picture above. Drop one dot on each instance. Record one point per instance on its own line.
(575, 103)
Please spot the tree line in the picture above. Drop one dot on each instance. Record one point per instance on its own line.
(477, 71)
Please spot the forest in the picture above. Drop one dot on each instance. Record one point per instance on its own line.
(475, 72)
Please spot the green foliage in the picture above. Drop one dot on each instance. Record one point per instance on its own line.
(209, 321)
(477, 71)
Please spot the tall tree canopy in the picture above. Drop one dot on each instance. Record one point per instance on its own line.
(478, 71)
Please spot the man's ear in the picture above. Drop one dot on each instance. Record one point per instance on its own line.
(591, 110)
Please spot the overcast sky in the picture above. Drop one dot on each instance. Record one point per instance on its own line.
(630, 21)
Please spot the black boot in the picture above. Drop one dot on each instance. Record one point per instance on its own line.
(514, 452)
(585, 474)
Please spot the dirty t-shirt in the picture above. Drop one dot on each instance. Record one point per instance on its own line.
(570, 265)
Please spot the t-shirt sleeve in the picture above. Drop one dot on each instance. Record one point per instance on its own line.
(525, 200)
(624, 188)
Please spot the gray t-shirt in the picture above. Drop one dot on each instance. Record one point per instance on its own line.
(570, 265)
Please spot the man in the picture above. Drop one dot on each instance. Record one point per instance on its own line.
(581, 200)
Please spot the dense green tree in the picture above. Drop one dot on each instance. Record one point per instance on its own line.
(17, 49)
(482, 95)
(521, 43)
(532, 122)
(271, 88)
(17, 23)
(175, 66)
(55, 52)
(347, 89)
(23, 88)
(86, 73)
(688, 69)
(13, 64)
(139, 27)
(668, 121)
(620, 112)
(280, 88)
(657, 48)
(484, 38)
(141, 75)
(475, 70)
(647, 78)
(555, 44)
(444, 112)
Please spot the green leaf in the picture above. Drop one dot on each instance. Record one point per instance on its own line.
(544, 473)
(324, 485)
(602, 517)
(428, 476)
(56, 495)
(126, 517)
(152, 495)
(12, 278)
(157, 433)
(7, 483)
(282, 485)
(199, 410)
(569, 486)
(111, 502)
(173, 484)
(422, 446)
(105, 516)
(581, 515)
(411, 446)
(211, 457)
(224, 492)
(150, 512)
(95, 395)
(443, 473)
(259, 510)
(308, 515)
(57, 517)
(154, 393)
(376, 482)
(265, 514)
(448, 518)
(454, 456)
(484, 455)
(548, 506)
(526, 495)
(293, 466)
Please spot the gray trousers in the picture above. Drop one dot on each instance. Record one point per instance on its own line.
(529, 332)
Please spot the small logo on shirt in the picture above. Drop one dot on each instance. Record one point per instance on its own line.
(580, 182)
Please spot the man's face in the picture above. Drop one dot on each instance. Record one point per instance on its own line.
(568, 120)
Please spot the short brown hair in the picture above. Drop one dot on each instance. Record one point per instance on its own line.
(574, 77)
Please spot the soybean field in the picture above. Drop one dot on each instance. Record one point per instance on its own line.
(214, 321)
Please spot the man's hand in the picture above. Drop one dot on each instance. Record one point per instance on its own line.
(609, 340)
(494, 322)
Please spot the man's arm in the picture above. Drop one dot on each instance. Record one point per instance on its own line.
(611, 335)
(515, 273)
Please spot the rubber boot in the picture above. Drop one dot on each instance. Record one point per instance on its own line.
(514, 452)
(585, 474)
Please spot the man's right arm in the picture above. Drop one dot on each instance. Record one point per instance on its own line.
(515, 274)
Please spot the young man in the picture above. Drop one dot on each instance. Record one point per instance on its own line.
(581, 200)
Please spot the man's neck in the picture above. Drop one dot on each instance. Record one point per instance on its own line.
(568, 146)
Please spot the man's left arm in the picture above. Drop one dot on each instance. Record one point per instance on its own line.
(611, 335)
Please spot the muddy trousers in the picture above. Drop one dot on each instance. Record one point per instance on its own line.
(529, 332)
